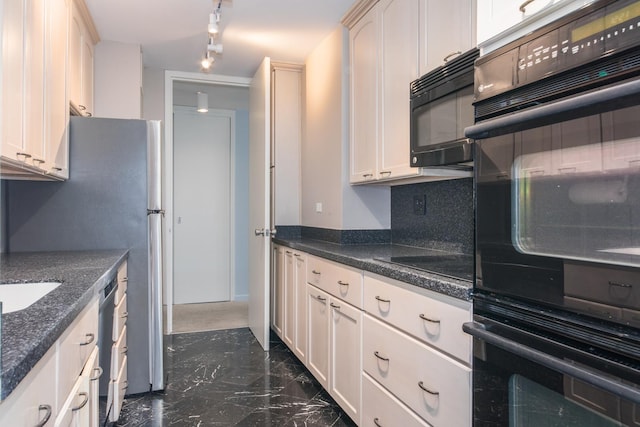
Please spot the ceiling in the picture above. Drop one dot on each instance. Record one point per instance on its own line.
(173, 33)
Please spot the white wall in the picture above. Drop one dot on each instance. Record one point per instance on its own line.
(117, 80)
(325, 148)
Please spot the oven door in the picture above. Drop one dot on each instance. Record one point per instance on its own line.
(558, 204)
(521, 379)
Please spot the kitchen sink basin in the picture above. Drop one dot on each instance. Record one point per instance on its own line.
(18, 296)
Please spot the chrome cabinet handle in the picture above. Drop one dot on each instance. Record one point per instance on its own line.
(319, 298)
(341, 283)
(125, 279)
(38, 161)
(90, 338)
(375, 421)
(426, 390)
(124, 349)
(423, 317)
(82, 107)
(84, 402)
(376, 354)
(56, 168)
(382, 300)
(385, 172)
(99, 373)
(296, 255)
(523, 6)
(334, 306)
(288, 252)
(260, 232)
(315, 272)
(25, 155)
(47, 415)
(367, 175)
(89, 114)
(125, 315)
(451, 55)
(126, 385)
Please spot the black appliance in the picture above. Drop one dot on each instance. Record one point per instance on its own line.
(441, 108)
(557, 291)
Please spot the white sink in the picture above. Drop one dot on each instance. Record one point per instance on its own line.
(18, 296)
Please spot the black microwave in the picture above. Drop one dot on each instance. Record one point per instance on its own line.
(441, 108)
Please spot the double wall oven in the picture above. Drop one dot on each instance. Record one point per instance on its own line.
(557, 296)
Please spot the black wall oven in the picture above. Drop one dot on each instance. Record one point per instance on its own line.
(557, 294)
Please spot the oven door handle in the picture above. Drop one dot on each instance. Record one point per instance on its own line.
(570, 108)
(478, 330)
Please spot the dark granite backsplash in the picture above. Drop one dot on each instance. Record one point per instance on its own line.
(342, 237)
(448, 222)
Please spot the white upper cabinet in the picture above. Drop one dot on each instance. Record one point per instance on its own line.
(502, 21)
(363, 40)
(81, 43)
(447, 29)
(392, 43)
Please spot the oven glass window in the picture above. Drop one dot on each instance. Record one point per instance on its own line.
(444, 119)
(532, 404)
(576, 189)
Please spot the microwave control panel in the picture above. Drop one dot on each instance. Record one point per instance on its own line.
(602, 29)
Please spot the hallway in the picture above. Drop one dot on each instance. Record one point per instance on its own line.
(223, 378)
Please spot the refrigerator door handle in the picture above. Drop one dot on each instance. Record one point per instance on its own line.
(155, 211)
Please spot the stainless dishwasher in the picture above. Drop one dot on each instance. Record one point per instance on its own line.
(105, 325)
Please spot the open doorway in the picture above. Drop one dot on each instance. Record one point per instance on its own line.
(224, 93)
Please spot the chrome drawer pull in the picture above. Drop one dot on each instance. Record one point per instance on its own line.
(451, 55)
(382, 300)
(126, 385)
(334, 306)
(288, 252)
(125, 279)
(83, 404)
(367, 175)
(56, 168)
(99, 371)
(375, 421)
(340, 282)
(315, 272)
(125, 315)
(90, 338)
(124, 349)
(423, 317)
(25, 155)
(296, 255)
(376, 354)
(47, 415)
(319, 298)
(38, 161)
(423, 388)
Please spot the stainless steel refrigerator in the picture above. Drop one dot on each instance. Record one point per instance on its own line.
(112, 200)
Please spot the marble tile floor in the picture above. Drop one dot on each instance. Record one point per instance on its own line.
(224, 378)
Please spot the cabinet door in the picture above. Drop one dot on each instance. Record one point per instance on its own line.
(75, 56)
(89, 415)
(34, 82)
(87, 75)
(34, 399)
(72, 410)
(12, 79)
(55, 98)
(346, 357)
(300, 291)
(278, 290)
(399, 65)
(318, 324)
(495, 16)
(453, 18)
(289, 299)
(363, 39)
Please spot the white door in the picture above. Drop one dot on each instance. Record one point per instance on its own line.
(201, 205)
(259, 202)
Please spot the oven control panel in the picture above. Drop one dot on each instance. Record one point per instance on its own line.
(601, 29)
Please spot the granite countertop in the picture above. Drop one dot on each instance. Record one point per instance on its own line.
(28, 334)
(371, 258)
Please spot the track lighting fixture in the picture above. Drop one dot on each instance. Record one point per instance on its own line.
(213, 30)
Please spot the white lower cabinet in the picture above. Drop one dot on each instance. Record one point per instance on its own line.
(381, 408)
(300, 317)
(433, 385)
(345, 356)
(318, 335)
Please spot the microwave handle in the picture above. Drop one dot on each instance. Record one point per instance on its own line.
(478, 330)
(622, 94)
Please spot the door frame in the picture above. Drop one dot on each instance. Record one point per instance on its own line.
(169, 78)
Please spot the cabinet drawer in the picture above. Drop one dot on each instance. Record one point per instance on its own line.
(122, 281)
(117, 390)
(339, 280)
(118, 353)
(119, 317)
(436, 387)
(431, 317)
(91, 375)
(381, 408)
(75, 346)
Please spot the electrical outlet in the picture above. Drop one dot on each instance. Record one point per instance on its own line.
(420, 205)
